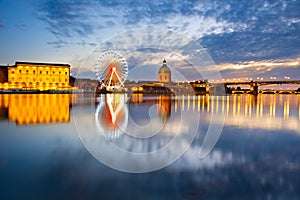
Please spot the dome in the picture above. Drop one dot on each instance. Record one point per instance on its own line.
(164, 68)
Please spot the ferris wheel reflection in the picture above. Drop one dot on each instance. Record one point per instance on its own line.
(111, 116)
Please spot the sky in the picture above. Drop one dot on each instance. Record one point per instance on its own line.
(244, 39)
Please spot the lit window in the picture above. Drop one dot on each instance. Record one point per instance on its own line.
(65, 80)
(33, 80)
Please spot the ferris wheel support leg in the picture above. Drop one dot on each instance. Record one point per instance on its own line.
(110, 78)
(119, 79)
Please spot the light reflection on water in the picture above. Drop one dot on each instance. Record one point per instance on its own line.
(238, 109)
(255, 157)
(273, 112)
(35, 108)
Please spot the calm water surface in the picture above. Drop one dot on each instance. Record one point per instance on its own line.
(45, 142)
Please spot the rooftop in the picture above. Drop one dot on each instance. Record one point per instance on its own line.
(37, 63)
(164, 68)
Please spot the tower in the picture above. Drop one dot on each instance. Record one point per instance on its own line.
(164, 73)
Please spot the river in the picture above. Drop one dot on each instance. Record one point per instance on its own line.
(64, 146)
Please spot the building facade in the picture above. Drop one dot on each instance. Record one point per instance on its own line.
(36, 76)
(164, 73)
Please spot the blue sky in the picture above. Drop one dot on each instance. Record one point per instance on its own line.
(244, 38)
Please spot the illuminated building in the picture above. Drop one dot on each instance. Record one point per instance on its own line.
(35, 76)
(3, 74)
(164, 73)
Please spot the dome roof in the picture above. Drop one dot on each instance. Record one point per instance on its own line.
(164, 68)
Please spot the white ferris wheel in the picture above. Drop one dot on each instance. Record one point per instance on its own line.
(111, 70)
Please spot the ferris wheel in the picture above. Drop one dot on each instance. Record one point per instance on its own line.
(111, 70)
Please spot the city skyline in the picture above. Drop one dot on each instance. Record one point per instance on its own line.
(244, 39)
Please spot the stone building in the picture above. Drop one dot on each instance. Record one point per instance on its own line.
(164, 73)
(35, 76)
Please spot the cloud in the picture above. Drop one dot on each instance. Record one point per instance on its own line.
(65, 18)
(270, 32)
(58, 43)
(264, 68)
(233, 47)
(81, 18)
(269, 64)
(22, 26)
(232, 31)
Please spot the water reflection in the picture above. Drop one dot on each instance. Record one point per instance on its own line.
(35, 108)
(262, 111)
(144, 125)
(146, 133)
(111, 115)
(163, 102)
(258, 137)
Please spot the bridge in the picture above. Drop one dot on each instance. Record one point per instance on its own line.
(255, 84)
